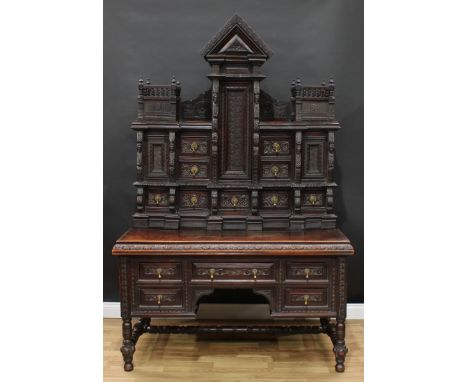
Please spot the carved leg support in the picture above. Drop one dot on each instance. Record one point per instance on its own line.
(339, 347)
(128, 347)
(140, 328)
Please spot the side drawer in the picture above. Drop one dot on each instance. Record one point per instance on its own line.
(159, 299)
(305, 299)
(159, 271)
(305, 271)
(251, 272)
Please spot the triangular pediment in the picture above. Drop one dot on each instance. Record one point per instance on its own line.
(237, 37)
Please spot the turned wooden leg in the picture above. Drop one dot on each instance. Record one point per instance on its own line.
(339, 347)
(128, 347)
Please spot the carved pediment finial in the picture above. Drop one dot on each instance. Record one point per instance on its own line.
(237, 37)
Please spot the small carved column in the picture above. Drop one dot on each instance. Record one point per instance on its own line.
(140, 200)
(139, 165)
(298, 166)
(296, 99)
(331, 155)
(214, 131)
(128, 347)
(256, 132)
(140, 99)
(339, 347)
(172, 155)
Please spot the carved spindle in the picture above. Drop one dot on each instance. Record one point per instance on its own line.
(139, 160)
(172, 198)
(256, 132)
(331, 99)
(329, 199)
(298, 99)
(172, 155)
(214, 131)
(254, 202)
(297, 201)
(139, 199)
(331, 155)
(140, 98)
(340, 348)
(214, 202)
(298, 164)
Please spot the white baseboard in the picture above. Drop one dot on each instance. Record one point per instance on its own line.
(112, 310)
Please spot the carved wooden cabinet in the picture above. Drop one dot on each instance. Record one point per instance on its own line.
(234, 191)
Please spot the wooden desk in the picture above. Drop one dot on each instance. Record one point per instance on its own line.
(164, 273)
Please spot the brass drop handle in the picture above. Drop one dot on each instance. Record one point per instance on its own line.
(276, 147)
(159, 299)
(194, 146)
(157, 199)
(254, 272)
(313, 199)
(194, 170)
(275, 170)
(234, 201)
(194, 200)
(306, 272)
(159, 272)
(274, 200)
(212, 273)
(306, 299)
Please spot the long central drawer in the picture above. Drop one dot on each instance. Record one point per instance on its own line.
(227, 271)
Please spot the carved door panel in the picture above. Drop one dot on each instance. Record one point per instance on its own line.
(235, 132)
(315, 158)
(156, 155)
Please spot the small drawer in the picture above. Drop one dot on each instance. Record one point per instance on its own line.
(157, 199)
(275, 170)
(159, 299)
(306, 299)
(306, 271)
(275, 145)
(160, 271)
(194, 170)
(234, 202)
(193, 200)
(194, 144)
(313, 200)
(275, 200)
(234, 272)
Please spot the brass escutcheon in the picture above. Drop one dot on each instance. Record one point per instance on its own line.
(276, 147)
(194, 200)
(194, 146)
(312, 199)
(274, 199)
(157, 199)
(306, 272)
(159, 271)
(159, 299)
(275, 170)
(234, 200)
(306, 299)
(194, 170)
(212, 273)
(254, 272)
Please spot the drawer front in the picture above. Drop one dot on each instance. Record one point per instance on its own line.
(313, 200)
(273, 145)
(306, 299)
(159, 299)
(159, 271)
(306, 271)
(275, 200)
(194, 170)
(275, 170)
(234, 202)
(193, 200)
(234, 272)
(194, 144)
(157, 200)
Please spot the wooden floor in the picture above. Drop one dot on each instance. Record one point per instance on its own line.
(186, 357)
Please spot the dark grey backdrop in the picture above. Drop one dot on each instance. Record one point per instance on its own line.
(313, 39)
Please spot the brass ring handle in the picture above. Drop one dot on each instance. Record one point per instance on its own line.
(159, 299)
(313, 199)
(254, 272)
(276, 147)
(274, 200)
(306, 299)
(234, 201)
(275, 170)
(306, 272)
(194, 146)
(194, 200)
(194, 170)
(157, 199)
(159, 271)
(212, 273)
